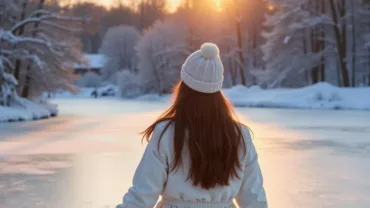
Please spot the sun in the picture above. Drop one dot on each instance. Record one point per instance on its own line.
(218, 5)
(172, 5)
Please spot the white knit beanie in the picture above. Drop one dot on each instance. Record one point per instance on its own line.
(203, 70)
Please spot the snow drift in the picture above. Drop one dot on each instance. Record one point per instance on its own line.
(28, 111)
(318, 96)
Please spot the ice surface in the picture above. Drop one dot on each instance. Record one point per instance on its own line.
(86, 157)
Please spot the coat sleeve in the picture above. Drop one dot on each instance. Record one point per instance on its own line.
(252, 194)
(150, 177)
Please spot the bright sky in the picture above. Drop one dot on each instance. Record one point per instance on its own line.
(173, 4)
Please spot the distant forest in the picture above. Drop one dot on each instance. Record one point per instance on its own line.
(270, 43)
(267, 42)
(140, 14)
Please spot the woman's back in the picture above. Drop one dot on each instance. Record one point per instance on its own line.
(198, 155)
(179, 189)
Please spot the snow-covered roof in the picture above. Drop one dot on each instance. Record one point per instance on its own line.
(95, 61)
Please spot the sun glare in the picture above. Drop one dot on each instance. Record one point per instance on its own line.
(271, 7)
(218, 5)
(173, 5)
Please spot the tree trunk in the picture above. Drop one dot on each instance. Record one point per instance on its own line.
(27, 84)
(368, 75)
(354, 44)
(340, 39)
(142, 15)
(304, 41)
(315, 75)
(18, 62)
(190, 36)
(232, 73)
(322, 70)
(314, 49)
(315, 44)
(368, 2)
(231, 67)
(343, 14)
(241, 56)
(322, 44)
(254, 47)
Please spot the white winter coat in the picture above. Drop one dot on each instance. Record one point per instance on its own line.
(153, 178)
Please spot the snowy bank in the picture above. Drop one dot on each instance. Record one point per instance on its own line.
(87, 92)
(318, 96)
(28, 111)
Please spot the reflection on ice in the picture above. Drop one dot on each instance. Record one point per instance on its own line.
(34, 165)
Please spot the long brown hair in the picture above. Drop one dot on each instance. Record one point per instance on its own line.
(206, 124)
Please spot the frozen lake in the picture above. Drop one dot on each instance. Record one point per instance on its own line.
(86, 157)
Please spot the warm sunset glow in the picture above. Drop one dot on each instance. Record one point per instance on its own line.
(172, 5)
(218, 5)
(271, 7)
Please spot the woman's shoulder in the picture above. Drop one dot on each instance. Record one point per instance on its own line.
(163, 130)
(164, 125)
(246, 133)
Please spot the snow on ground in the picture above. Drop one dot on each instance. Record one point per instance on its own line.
(318, 96)
(28, 111)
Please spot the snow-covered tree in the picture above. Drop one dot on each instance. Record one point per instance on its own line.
(298, 43)
(162, 51)
(8, 11)
(8, 84)
(119, 47)
(35, 48)
(363, 54)
(286, 52)
(128, 83)
(317, 37)
(90, 79)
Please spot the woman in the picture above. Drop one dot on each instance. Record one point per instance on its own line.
(198, 154)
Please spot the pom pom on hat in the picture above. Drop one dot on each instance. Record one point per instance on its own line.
(203, 69)
(209, 50)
